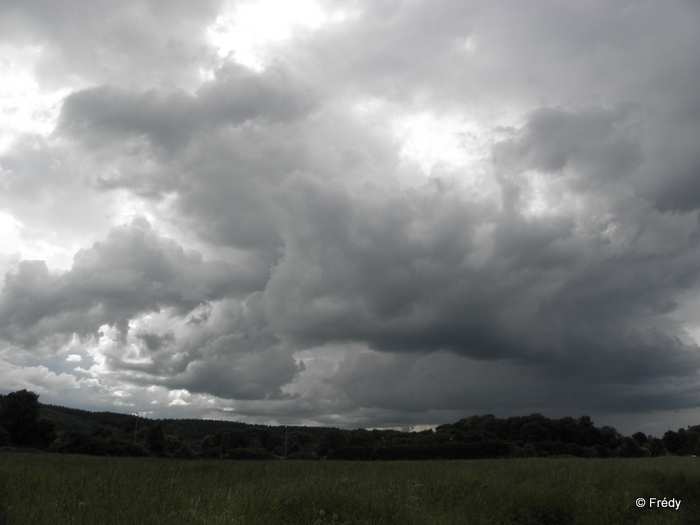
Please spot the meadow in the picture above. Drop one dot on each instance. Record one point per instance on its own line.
(42, 488)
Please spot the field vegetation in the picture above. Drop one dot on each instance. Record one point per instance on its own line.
(42, 488)
(65, 466)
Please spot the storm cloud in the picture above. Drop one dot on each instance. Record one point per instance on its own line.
(392, 214)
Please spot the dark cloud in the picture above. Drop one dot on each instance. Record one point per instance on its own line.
(169, 118)
(336, 276)
(230, 353)
(597, 145)
(153, 341)
(670, 177)
(600, 147)
(134, 271)
(258, 375)
(407, 271)
(219, 152)
(437, 387)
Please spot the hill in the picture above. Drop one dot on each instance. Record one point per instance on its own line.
(26, 423)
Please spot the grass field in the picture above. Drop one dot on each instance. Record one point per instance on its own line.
(37, 489)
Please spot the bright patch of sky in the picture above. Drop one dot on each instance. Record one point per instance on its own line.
(242, 31)
(15, 238)
(451, 146)
(9, 229)
(429, 140)
(25, 107)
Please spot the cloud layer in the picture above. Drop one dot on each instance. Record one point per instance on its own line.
(285, 243)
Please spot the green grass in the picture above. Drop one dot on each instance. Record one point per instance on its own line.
(37, 489)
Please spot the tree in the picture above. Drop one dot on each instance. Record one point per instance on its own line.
(19, 416)
(155, 439)
(629, 449)
(610, 437)
(675, 441)
(534, 432)
(4, 438)
(207, 446)
(639, 438)
(585, 421)
(332, 440)
(225, 444)
(239, 439)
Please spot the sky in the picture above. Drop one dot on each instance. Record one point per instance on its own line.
(353, 213)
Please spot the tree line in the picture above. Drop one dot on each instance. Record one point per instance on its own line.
(26, 423)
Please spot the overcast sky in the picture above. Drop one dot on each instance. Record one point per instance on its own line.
(353, 213)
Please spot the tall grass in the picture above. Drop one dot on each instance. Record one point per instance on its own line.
(38, 489)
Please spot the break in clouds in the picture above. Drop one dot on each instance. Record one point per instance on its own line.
(393, 214)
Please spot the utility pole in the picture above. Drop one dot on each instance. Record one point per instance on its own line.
(285, 441)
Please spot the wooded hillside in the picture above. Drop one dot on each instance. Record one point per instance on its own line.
(26, 423)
